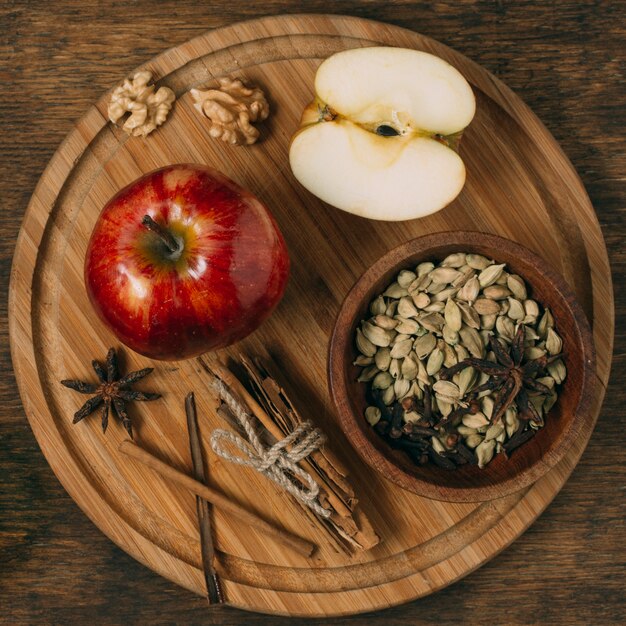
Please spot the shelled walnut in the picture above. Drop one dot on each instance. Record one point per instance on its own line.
(231, 108)
(148, 109)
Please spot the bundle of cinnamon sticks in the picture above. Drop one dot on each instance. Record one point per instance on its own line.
(260, 394)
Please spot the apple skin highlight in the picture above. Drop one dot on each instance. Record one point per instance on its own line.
(226, 277)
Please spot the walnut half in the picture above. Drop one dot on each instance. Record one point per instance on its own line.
(148, 109)
(232, 108)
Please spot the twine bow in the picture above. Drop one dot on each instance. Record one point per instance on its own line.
(276, 462)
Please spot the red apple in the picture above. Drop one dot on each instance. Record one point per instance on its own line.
(183, 261)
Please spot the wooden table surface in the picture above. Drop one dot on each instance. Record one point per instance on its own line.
(562, 58)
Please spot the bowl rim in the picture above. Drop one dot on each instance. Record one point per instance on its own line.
(341, 336)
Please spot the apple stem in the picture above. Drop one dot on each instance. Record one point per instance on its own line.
(166, 236)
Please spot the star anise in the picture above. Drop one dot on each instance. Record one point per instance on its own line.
(510, 381)
(111, 392)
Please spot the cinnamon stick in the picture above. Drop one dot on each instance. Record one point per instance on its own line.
(300, 545)
(348, 526)
(227, 377)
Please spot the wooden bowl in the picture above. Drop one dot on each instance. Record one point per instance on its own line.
(529, 462)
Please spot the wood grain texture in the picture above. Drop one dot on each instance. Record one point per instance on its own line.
(519, 185)
(565, 580)
(213, 496)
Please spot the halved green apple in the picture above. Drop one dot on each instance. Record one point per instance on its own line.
(380, 138)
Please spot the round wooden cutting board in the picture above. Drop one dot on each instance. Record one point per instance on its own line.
(520, 185)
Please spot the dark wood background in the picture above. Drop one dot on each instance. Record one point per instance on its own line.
(565, 59)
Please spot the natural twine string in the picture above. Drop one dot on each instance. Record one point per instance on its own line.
(275, 462)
